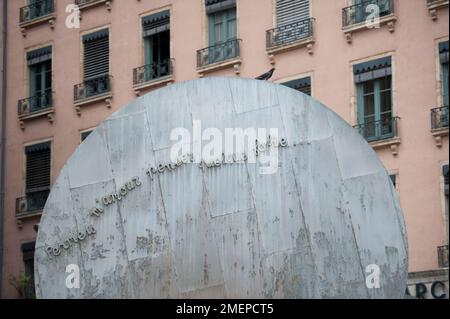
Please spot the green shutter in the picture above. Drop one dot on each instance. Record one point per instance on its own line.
(303, 85)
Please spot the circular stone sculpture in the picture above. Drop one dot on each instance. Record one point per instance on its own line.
(326, 224)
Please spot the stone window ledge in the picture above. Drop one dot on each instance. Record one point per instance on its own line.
(95, 3)
(388, 20)
(152, 84)
(308, 43)
(434, 6)
(235, 63)
(48, 112)
(392, 143)
(439, 134)
(20, 218)
(106, 97)
(49, 18)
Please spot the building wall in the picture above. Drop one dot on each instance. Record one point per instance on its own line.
(413, 46)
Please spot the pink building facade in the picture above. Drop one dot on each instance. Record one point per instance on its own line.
(388, 79)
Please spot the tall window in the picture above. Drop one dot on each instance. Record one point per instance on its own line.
(221, 29)
(373, 81)
(40, 78)
(96, 62)
(28, 291)
(444, 60)
(303, 85)
(222, 26)
(156, 32)
(38, 167)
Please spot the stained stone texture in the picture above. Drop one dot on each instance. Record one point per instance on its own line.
(307, 231)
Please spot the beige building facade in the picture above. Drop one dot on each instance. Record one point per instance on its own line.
(382, 65)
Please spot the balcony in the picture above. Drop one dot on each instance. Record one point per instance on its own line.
(39, 105)
(219, 56)
(36, 13)
(153, 74)
(381, 133)
(434, 5)
(85, 4)
(93, 90)
(32, 204)
(293, 35)
(443, 256)
(439, 124)
(355, 17)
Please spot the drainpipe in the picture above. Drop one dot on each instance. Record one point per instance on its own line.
(3, 139)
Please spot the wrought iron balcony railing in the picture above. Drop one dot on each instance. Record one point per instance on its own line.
(152, 72)
(443, 256)
(92, 87)
(32, 203)
(218, 53)
(358, 13)
(289, 33)
(379, 130)
(439, 118)
(36, 10)
(35, 103)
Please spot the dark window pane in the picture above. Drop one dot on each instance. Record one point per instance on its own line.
(369, 105)
(368, 87)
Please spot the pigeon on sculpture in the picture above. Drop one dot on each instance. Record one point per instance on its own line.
(266, 75)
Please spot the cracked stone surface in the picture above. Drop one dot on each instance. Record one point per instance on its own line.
(307, 231)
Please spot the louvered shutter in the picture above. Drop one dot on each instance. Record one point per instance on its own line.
(303, 85)
(290, 11)
(156, 23)
(38, 165)
(96, 54)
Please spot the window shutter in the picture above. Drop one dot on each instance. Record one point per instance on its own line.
(213, 6)
(156, 23)
(393, 180)
(40, 55)
(38, 165)
(290, 11)
(303, 85)
(372, 70)
(96, 54)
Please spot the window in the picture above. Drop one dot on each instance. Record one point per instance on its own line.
(222, 26)
(96, 63)
(84, 135)
(222, 32)
(28, 291)
(393, 178)
(156, 32)
(38, 167)
(446, 187)
(373, 81)
(40, 79)
(443, 58)
(303, 85)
